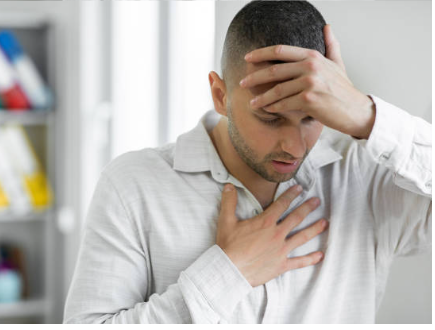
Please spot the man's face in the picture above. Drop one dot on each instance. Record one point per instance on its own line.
(258, 143)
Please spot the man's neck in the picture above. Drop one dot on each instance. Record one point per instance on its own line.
(262, 189)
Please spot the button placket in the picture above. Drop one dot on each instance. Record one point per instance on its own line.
(256, 207)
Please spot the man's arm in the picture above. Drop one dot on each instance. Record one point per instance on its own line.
(395, 163)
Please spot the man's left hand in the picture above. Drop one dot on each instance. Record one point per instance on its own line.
(314, 84)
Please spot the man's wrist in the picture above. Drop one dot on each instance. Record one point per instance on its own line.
(368, 121)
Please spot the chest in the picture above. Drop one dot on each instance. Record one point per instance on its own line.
(181, 224)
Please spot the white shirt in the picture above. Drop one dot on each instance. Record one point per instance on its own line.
(148, 252)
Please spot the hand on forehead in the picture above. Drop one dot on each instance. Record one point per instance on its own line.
(261, 88)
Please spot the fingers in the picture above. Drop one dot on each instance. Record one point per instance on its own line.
(278, 52)
(305, 235)
(293, 102)
(298, 215)
(303, 261)
(276, 72)
(278, 92)
(277, 208)
(332, 45)
(228, 204)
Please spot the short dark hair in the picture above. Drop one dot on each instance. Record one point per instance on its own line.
(266, 23)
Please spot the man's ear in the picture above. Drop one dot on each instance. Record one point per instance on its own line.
(218, 93)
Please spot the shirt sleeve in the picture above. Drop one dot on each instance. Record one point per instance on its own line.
(396, 171)
(111, 282)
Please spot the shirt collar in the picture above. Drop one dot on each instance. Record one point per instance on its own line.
(195, 152)
(192, 149)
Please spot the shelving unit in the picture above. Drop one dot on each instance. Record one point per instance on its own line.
(31, 307)
(34, 233)
(28, 119)
(26, 218)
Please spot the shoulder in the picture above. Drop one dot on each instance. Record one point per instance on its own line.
(140, 164)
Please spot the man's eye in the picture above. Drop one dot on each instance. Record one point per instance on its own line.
(271, 122)
(276, 121)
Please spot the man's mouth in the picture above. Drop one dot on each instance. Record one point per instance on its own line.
(291, 162)
(285, 166)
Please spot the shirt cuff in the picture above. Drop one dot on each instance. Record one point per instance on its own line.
(390, 141)
(218, 281)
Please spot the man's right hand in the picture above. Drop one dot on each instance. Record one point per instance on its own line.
(258, 246)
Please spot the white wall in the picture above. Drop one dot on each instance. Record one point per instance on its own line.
(386, 47)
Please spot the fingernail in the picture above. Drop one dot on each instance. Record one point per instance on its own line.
(228, 188)
(299, 188)
(253, 101)
(320, 256)
(315, 201)
(324, 223)
(243, 82)
(248, 56)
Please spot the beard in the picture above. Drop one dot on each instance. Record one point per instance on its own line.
(249, 156)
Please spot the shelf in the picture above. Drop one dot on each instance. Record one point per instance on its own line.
(11, 218)
(35, 233)
(25, 117)
(25, 308)
(29, 20)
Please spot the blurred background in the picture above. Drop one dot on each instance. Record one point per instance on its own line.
(82, 82)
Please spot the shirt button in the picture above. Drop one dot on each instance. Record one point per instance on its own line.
(385, 156)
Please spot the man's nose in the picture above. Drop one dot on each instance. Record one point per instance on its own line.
(293, 142)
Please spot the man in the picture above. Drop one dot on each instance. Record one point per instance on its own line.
(213, 228)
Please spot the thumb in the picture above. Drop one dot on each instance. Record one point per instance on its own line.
(228, 204)
(332, 46)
